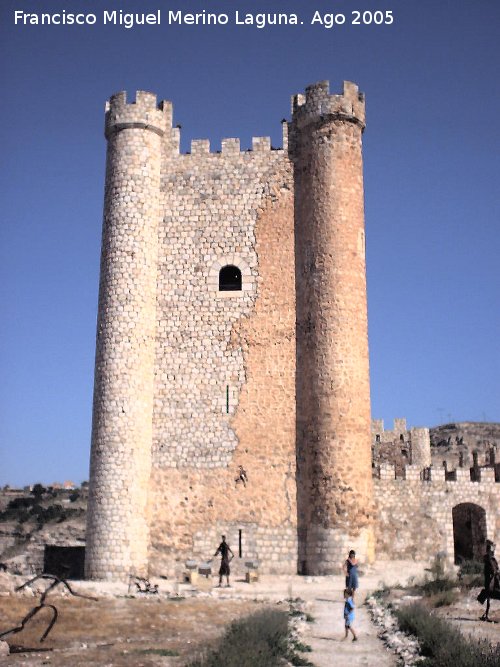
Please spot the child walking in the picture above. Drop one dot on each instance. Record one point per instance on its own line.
(349, 614)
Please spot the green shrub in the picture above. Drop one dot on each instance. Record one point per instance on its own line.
(260, 640)
(37, 491)
(296, 613)
(21, 502)
(442, 644)
(445, 598)
(300, 646)
(24, 508)
(439, 582)
(471, 573)
(471, 567)
(51, 513)
(434, 586)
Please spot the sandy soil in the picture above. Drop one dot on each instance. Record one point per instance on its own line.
(118, 631)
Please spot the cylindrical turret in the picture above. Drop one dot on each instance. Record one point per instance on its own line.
(334, 476)
(117, 530)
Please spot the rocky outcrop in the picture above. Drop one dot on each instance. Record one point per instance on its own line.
(26, 529)
(456, 443)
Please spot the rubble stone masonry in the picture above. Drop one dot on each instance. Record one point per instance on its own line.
(117, 533)
(333, 390)
(194, 379)
(415, 513)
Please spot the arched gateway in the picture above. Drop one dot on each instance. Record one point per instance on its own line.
(469, 532)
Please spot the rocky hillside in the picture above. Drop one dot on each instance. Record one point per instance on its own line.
(31, 520)
(452, 442)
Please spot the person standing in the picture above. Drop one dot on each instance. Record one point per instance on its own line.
(491, 575)
(349, 615)
(351, 572)
(224, 550)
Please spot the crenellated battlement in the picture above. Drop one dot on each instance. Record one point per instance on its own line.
(319, 104)
(144, 113)
(400, 445)
(399, 428)
(387, 472)
(231, 146)
(426, 510)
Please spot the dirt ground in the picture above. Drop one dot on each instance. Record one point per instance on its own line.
(466, 612)
(118, 631)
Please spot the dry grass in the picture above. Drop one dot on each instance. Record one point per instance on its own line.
(120, 631)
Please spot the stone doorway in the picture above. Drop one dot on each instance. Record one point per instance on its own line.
(469, 532)
(64, 562)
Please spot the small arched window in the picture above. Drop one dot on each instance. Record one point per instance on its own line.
(229, 279)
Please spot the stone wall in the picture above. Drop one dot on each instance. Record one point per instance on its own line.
(212, 203)
(400, 446)
(415, 515)
(229, 208)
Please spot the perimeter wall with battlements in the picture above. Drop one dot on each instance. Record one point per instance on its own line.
(427, 511)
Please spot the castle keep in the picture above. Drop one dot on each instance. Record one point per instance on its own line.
(232, 335)
(232, 331)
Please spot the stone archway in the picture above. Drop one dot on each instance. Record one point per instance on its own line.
(469, 532)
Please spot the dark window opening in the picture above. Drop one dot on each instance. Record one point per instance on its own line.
(229, 278)
(240, 543)
(377, 438)
(469, 532)
(64, 562)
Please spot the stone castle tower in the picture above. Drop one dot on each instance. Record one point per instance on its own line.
(232, 331)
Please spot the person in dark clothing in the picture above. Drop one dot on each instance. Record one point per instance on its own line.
(490, 566)
(491, 575)
(224, 550)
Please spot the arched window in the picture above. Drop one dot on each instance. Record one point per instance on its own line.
(229, 279)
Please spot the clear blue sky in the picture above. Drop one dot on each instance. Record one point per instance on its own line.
(431, 177)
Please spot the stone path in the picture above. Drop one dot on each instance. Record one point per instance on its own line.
(325, 635)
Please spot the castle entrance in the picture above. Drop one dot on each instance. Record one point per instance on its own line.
(469, 532)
